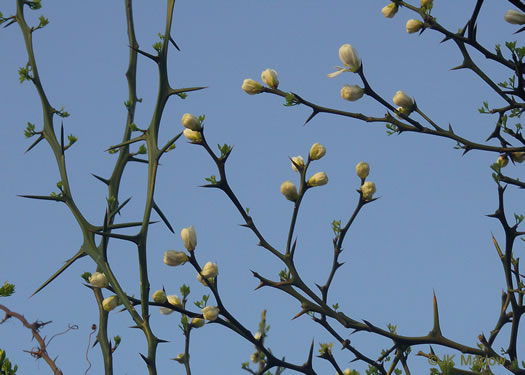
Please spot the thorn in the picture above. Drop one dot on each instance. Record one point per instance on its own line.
(164, 219)
(102, 179)
(62, 137)
(299, 314)
(174, 44)
(314, 112)
(519, 31)
(35, 143)
(436, 330)
(145, 359)
(450, 128)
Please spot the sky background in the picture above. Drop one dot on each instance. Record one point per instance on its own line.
(428, 231)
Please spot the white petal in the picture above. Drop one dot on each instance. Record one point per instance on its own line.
(339, 71)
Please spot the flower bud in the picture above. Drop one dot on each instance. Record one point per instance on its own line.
(413, 26)
(347, 371)
(403, 100)
(257, 335)
(404, 111)
(197, 322)
(349, 57)
(210, 312)
(362, 169)
(159, 296)
(368, 189)
(193, 136)
(269, 76)
(251, 87)
(210, 270)
(174, 300)
(202, 279)
(317, 151)
(110, 303)
(318, 179)
(351, 93)
(254, 357)
(165, 310)
(390, 10)
(297, 163)
(189, 236)
(514, 17)
(98, 280)
(518, 157)
(503, 160)
(175, 258)
(191, 122)
(426, 3)
(289, 190)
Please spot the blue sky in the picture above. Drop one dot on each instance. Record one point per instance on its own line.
(427, 232)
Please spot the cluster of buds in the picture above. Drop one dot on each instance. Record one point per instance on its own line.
(412, 25)
(288, 188)
(368, 188)
(193, 128)
(352, 63)
(252, 87)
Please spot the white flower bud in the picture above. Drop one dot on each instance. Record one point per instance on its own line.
(351, 93)
(390, 10)
(159, 296)
(175, 258)
(297, 163)
(269, 76)
(251, 87)
(368, 189)
(191, 122)
(318, 179)
(174, 300)
(197, 322)
(403, 100)
(98, 280)
(514, 17)
(257, 335)
(193, 136)
(110, 303)
(518, 157)
(347, 371)
(503, 160)
(362, 169)
(349, 57)
(210, 312)
(317, 151)
(210, 270)
(165, 310)
(189, 236)
(289, 190)
(413, 26)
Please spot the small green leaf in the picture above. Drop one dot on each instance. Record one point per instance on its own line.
(7, 289)
(86, 276)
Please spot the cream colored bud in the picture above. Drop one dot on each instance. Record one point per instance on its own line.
(351, 93)
(193, 136)
(210, 312)
(174, 300)
(503, 160)
(317, 151)
(368, 189)
(254, 357)
(390, 10)
(269, 76)
(289, 190)
(197, 322)
(514, 17)
(189, 236)
(251, 87)
(98, 280)
(362, 169)
(165, 310)
(318, 179)
(297, 163)
(159, 296)
(210, 270)
(413, 26)
(110, 303)
(403, 100)
(347, 371)
(191, 122)
(257, 335)
(518, 157)
(175, 258)
(350, 57)
(426, 3)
